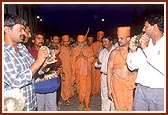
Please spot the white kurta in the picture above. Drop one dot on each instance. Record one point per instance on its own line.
(147, 75)
(107, 104)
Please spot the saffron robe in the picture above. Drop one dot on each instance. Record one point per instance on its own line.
(123, 82)
(66, 82)
(81, 66)
(95, 78)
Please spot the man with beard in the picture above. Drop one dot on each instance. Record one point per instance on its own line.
(82, 58)
(90, 40)
(121, 81)
(19, 65)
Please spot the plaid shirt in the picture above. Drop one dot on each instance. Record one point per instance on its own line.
(18, 75)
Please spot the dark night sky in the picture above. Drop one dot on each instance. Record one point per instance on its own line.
(74, 19)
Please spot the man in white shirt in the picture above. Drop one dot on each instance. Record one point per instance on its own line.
(107, 104)
(149, 60)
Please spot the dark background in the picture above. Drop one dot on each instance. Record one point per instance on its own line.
(74, 19)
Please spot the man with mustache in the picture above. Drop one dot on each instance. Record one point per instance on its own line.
(106, 103)
(26, 41)
(149, 59)
(19, 65)
(46, 99)
(38, 41)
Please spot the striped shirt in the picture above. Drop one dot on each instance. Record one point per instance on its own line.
(18, 75)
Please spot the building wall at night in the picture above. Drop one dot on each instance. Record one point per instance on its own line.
(27, 12)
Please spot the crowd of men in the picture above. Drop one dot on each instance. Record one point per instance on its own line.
(128, 74)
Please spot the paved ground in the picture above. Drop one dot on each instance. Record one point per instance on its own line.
(95, 104)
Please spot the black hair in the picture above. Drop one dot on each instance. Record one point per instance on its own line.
(10, 20)
(109, 38)
(27, 25)
(156, 19)
(54, 47)
(54, 36)
(38, 33)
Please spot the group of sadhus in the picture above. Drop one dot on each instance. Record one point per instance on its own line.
(79, 67)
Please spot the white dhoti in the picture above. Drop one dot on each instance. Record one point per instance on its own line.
(107, 104)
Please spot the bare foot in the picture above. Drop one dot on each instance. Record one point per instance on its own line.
(80, 107)
(87, 109)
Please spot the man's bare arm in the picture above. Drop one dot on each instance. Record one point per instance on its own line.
(110, 73)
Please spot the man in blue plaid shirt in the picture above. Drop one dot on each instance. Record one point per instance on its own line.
(19, 65)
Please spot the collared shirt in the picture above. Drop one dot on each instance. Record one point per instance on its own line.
(147, 75)
(17, 73)
(103, 58)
